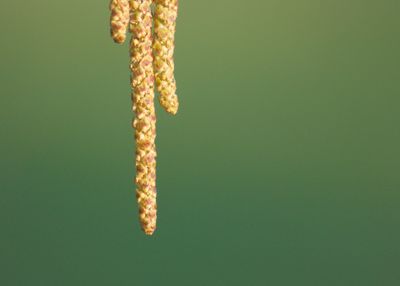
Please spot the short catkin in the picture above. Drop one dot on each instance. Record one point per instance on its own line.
(119, 20)
(165, 14)
(142, 82)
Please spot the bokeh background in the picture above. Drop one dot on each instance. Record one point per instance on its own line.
(281, 168)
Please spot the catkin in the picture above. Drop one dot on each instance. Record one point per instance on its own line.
(165, 14)
(142, 82)
(150, 62)
(119, 20)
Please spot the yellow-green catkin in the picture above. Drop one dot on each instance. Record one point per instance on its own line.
(165, 14)
(142, 82)
(119, 20)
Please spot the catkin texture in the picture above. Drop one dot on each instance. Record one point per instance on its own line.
(142, 82)
(119, 20)
(165, 14)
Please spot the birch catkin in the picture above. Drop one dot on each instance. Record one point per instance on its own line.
(119, 20)
(165, 14)
(142, 83)
(137, 13)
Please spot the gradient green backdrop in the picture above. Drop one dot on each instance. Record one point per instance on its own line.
(281, 168)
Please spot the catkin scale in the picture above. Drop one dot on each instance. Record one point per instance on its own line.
(165, 14)
(142, 83)
(119, 20)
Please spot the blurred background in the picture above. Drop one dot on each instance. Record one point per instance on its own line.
(281, 167)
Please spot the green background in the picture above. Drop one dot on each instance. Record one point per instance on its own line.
(281, 168)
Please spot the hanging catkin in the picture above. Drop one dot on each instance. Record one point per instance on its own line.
(138, 14)
(142, 82)
(119, 20)
(165, 14)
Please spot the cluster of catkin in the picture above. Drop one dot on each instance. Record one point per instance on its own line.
(151, 61)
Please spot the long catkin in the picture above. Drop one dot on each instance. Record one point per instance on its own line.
(165, 14)
(142, 82)
(119, 20)
(150, 62)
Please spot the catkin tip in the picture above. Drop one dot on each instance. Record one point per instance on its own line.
(170, 106)
(149, 232)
